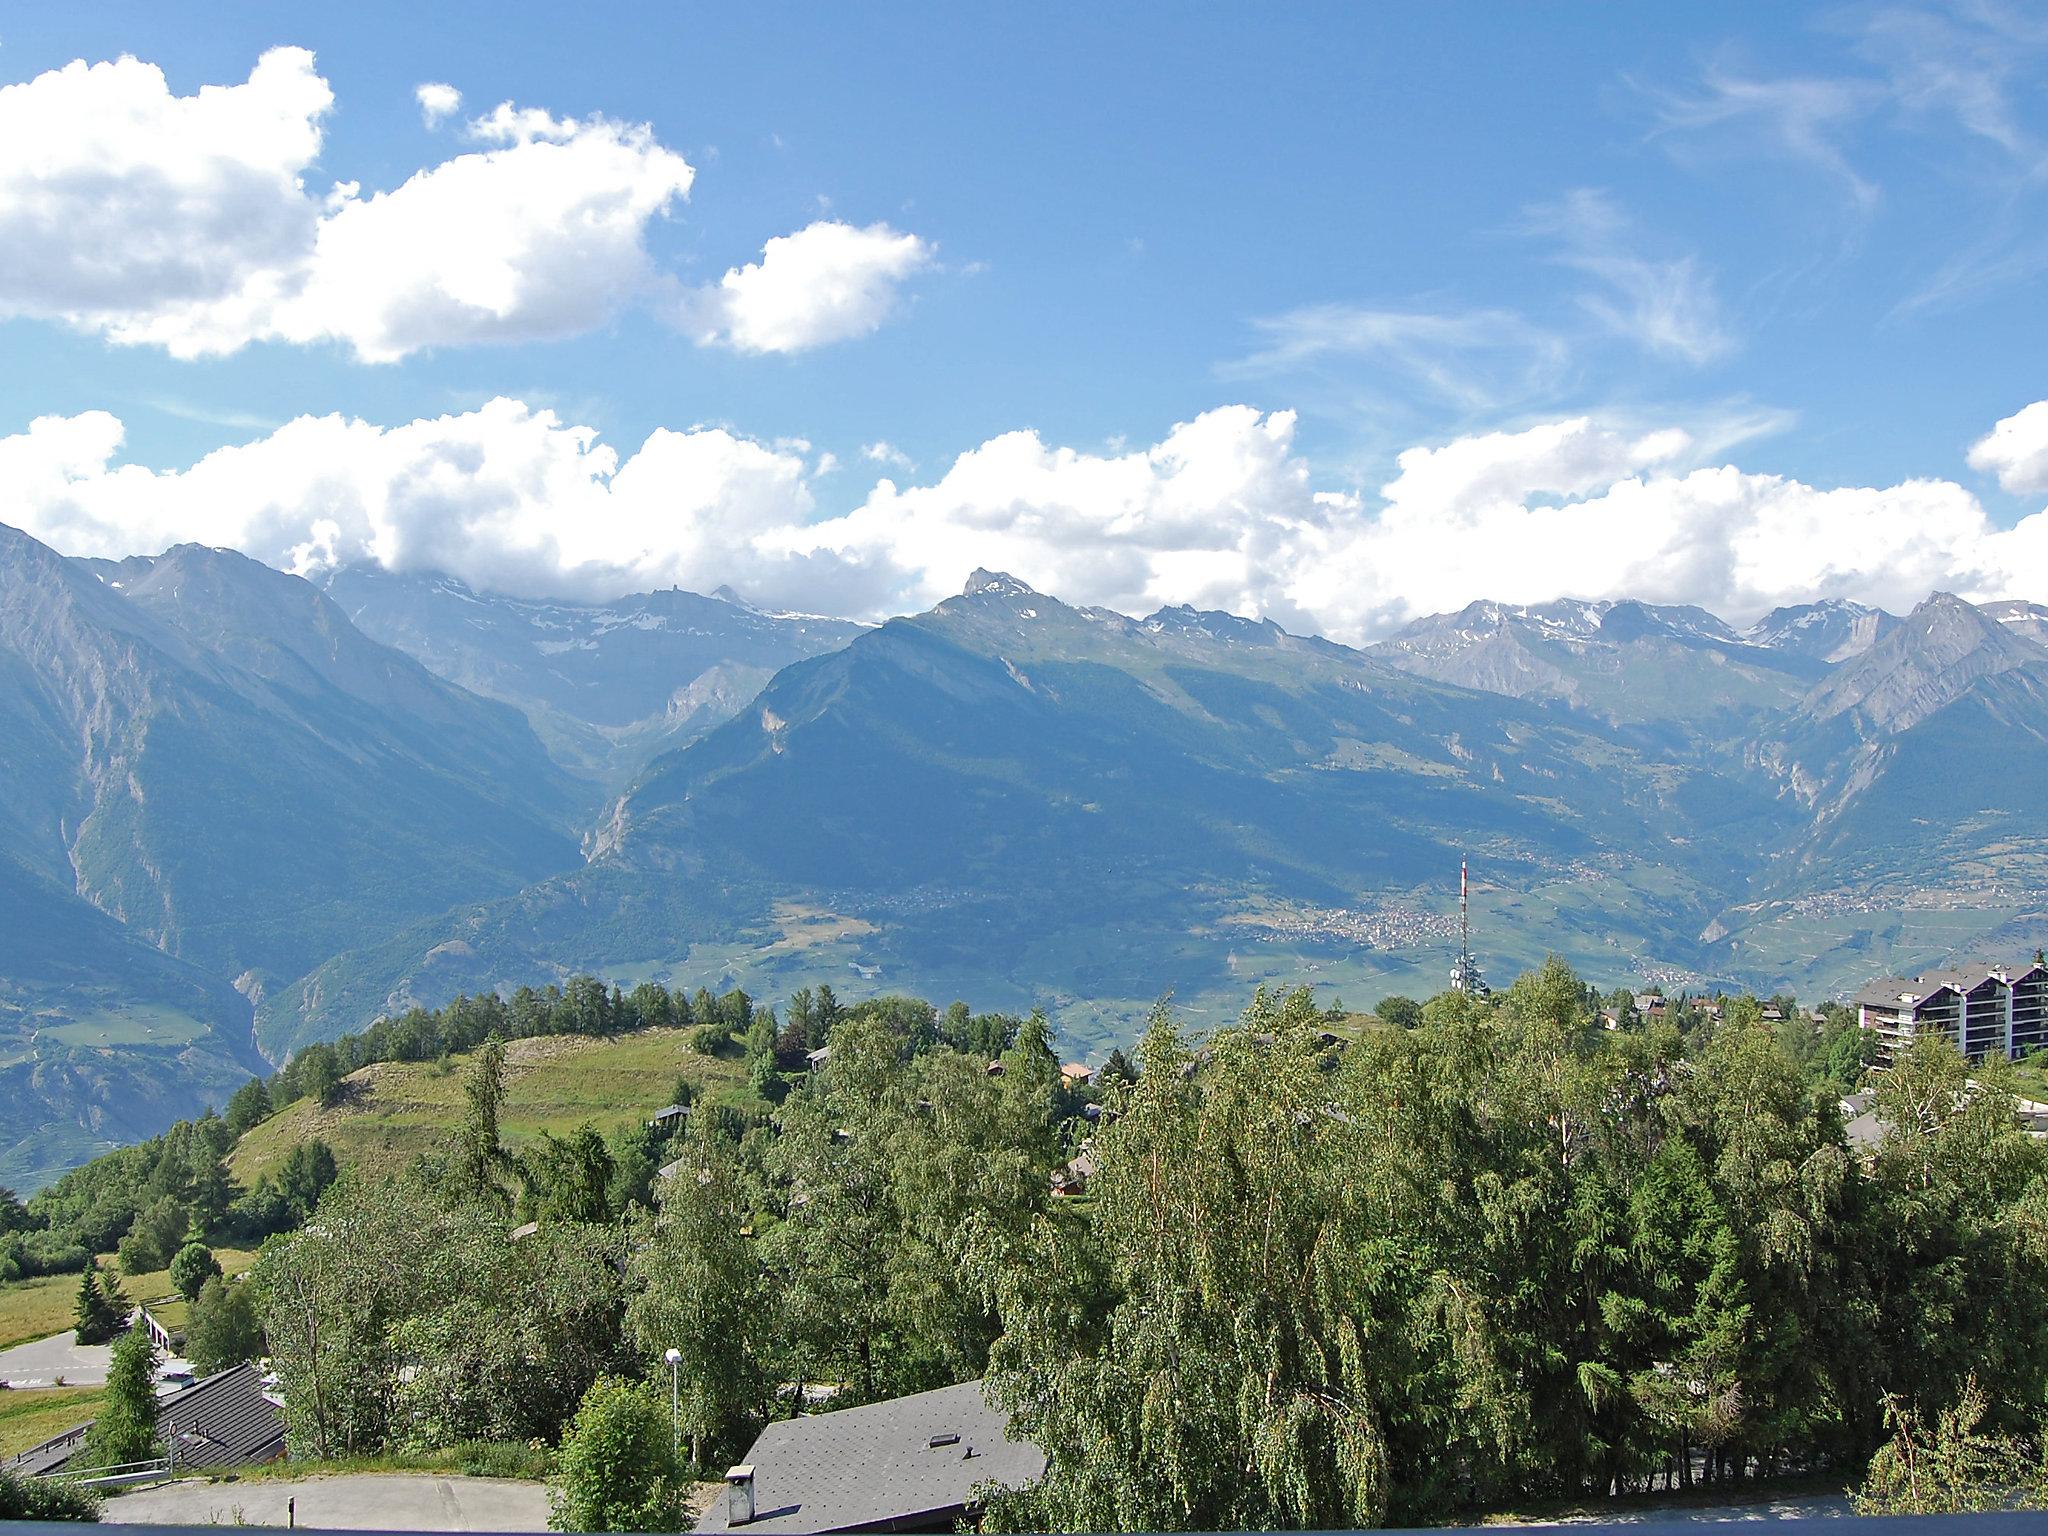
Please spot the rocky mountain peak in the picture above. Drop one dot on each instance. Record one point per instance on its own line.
(987, 583)
(1921, 665)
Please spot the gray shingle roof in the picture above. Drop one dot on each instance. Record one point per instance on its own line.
(876, 1468)
(1885, 992)
(223, 1421)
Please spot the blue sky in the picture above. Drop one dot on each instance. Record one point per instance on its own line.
(1809, 239)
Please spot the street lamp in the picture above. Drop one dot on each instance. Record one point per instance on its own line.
(675, 1400)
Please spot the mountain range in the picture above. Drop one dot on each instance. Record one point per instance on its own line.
(244, 811)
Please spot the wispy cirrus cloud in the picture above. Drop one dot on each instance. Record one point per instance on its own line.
(1470, 358)
(1662, 303)
(1804, 118)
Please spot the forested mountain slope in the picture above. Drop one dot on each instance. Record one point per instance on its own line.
(1006, 798)
(1013, 798)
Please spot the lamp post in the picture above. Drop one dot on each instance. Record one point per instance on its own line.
(674, 1357)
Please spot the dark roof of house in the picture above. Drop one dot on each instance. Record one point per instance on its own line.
(878, 1468)
(669, 1112)
(223, 1421)
(1886, 990)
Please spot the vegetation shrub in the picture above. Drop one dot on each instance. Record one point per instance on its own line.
(713, 1040)
(617, 1469)
(529, 1461)
(37, 1498)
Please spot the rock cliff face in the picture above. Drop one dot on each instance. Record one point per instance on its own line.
(207, 764)
(1830, 631)
(1676, 668)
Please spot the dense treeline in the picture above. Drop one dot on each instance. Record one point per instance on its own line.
(146, 1201)
(823, 1245)
(1509, 1255)
(1314, 1280)
(1321, 1272)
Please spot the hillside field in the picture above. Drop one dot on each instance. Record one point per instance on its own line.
(395, 1110)
(30, 1418)
(47, 1304)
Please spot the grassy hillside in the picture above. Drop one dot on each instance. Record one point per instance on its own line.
(37, 1308)
(396, 1110)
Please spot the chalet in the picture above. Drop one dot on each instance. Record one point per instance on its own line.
(817, 1059)
(670, 1117)
(1073, 1178)
(909, 1464)
(1075, 1075)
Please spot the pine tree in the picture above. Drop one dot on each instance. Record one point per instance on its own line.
(92, 1307)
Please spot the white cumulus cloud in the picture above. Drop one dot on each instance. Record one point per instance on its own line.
(2016, 450)
(438, 101)
(827, 282)
(1222, 511)
(199, 224)
(119, 200)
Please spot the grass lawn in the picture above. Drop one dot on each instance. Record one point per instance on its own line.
(30, 1417)
(396, 1110)
(35, 1309)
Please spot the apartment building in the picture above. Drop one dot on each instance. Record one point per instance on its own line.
(1984, 1010)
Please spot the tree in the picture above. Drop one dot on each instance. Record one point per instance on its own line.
(697, 1289)
(332, 1294)
(125, 1430)
(307, 1171)
(102, 1310)
(1401, 1012)
(1231, 1384)
(14, 1216)
(223, 1329)
(568, 1180)
(157, 1234)
(617, 1469)
(517, 1335)
(249, 1107)
(319, 1075)
(1116, 1071)
(1953, 1468)
(480, 1163)
(193, 1266)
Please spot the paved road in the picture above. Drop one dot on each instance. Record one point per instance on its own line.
(353, 1502)
(1811, 1506)
(40, 1364)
